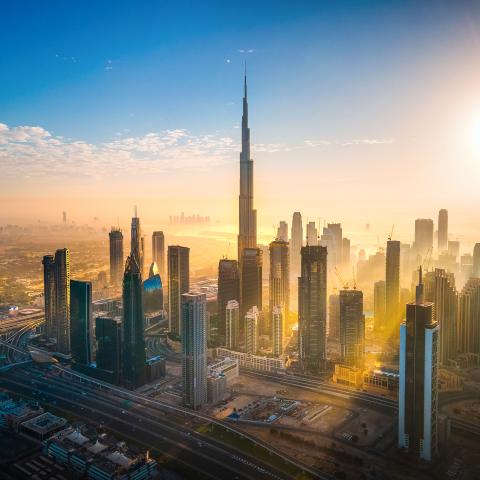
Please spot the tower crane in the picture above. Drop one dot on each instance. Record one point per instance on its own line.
(340, 278)
(391, 232)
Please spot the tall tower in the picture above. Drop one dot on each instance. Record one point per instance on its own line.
(49, 295)
(194, 349)
(442, 230)
(108, 334)
(137, 241)
(251, 280)
(279, 278)
(277, 331)
(392, 285)
(247, 232)
(251, 331)
(116, 256)
(476, 261)
(312, 311)
(158, 252)
(228, 289)
(296, 243)
(178, 284)
(133, 335)
(352, 328)
(282, 231)
(418, 387)
(423, 236)
(379, 299)
(81, 321)
(62, 300)
(232, 324)
(312, 234)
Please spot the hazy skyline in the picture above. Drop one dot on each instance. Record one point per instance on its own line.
(358, 112)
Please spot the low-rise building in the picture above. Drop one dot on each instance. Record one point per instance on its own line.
(254, 362)
(347, 375)
(43, 426)
(227, 367)
(216, 387)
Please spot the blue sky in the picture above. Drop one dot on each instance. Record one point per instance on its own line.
(390, 81)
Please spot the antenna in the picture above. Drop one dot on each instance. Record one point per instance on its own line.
(135, 211)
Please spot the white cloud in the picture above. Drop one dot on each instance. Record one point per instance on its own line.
(361, 141)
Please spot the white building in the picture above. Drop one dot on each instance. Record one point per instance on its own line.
(251, 331)
(253, 362)
(232, 319)
(277, 331)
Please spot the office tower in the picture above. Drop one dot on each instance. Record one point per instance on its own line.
(312, 312)
(133, 336)
(327, 240)
(454, 248)
(442, 230)
(62, 300)
(232, 325)
(194, 349)
(137, 242)
(352, 328)
(312, 234)
(277, 331)
(379, 305)
(418, 387)
(282, 231)
(178, 284)
(466, 266)
(346, 252)
(247, 232)
(440, 290)
(476, 261)
(279, 277)
(108, 334)
(158, 252)
(64, 217)
(296, 243)
(228, 289)
(116, 256)
(81, 323)
(153, 291)
(334, 315)
(251, 280)
(423, 236)
(469, 318)
(337, 233)
(392, 284)
(251, 331)
(49, 295)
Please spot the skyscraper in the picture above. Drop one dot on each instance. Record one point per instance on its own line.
(137, 242)
(178, 284)
(49, 295)
(232, 325)
(251, 331)
(247, 234)
(194, 349)
(62, 300)
(81, 321)
(116, 256)
(346, 252)
(334, 315)
(312, 302)
(133, 329)
(282, 231)
(442, 230)
(337, 233)
(158, 252)
(423, 236)
(251, 280)
(277, 331)
(296, 243)
(476, 261)
(228, 289)
(312, 234)
(469, 318)
(392, 284)
(352, 328)
(153, 291)
(108, 334)
(379, 305)
(418, 387)
(279, 277)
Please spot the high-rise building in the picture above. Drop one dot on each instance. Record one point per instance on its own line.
(116, 256)
(296, 243)
(158, 252)
(279, 277)
(312, 302)
(282, 231)
(251, 280)
(337, 233)
(440, 290)
(334, 315)
(194, 349)
(418, 387)
(134, 357)
(153, 291)
(228, 289)
(442, 230)
(232, 325)
(62, 300)
(251, 331)
(49, 295)
(423, 236)
(108, 334)
(312, 234)
(476, 261)
(352, 328)
(247, 232)
(379, 305)
(64, 217)
(454, 248)
(392, 284)
(178, 284)
(346, 252)
(81, 321)
(469, 318)
(277, 331)
(137, 242)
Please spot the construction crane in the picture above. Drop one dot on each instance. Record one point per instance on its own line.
(340, 278)
(428, 259)
(391, 232)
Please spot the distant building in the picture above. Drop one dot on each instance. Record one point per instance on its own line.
(81, 321)
(282, 231)
(442, 230)
(454, 249)
(379, 305)
(476, 261)
(352, 328)
(228, 290)
(108, 334)
(158, 252)
(194, 349)
(312, 234)
(277, 331)
(334, 315)
(346, 252)
(423, 236)
(178, 284)
(418, 388)
(251, 280)
(469, 318)
(251, 331)
(137, 242)
(116, 256)
(312, 301)
(337, 233)
(232, 330)
(296, 244)
(392, 285)
(153, 291)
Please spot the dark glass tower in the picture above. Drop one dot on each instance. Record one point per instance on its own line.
(81, 321)
(228, 289)
(158, 252)
(352, 328)
(178, 284)
(108, 333)
(279, 294)
(62, 300)
(116, 256)
(312, 314)
(392, 285)
(251, 281)
(133, 337)
(49, 295)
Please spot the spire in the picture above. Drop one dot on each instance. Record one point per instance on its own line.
(419, 297)
(245, 81)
